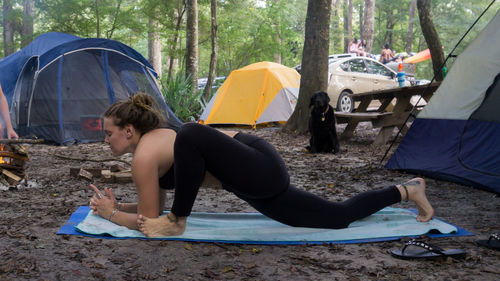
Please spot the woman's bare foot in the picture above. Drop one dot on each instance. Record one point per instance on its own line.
(416, 193)
(161, 227)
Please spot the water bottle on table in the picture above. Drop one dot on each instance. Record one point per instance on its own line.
(401, 76)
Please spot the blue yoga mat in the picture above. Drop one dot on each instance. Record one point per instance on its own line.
(254, 228)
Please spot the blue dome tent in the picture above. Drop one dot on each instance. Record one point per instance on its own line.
(456, 137)
(60, 84)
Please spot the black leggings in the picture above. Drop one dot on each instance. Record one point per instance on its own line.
(252, 169)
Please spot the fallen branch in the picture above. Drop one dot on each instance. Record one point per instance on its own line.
(13, 155)
(21, 141)
(91, 160)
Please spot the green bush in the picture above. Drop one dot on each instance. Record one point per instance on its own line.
(177, 93)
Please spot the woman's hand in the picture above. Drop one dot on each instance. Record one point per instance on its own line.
(11, 134)
(102, 205)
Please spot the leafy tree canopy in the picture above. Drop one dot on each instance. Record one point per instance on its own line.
(249, 31)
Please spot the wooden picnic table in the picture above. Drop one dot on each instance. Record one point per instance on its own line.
(389, 114)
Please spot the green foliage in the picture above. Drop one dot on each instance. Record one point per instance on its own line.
(177, 94)
(337, 30)
(452, 19)
(16, 16)
(251, 30)
(391, 20)
(79, 17)
(249, 33)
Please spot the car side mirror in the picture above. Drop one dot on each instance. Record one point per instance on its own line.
(393, 75)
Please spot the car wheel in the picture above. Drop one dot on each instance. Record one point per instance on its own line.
(345, 102)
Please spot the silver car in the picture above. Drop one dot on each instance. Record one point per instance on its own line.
(357, 75)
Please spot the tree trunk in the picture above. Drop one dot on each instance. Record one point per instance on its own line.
(192, 43)
(314, 62)
(431, 37)
(98, 28)
(8, 28)
(409, 37)
(347, 24)
(389, 27)
(277, 55)
(154, 46)
(335, 25)
(27, 29)
(181, 9)
(215, 48)
(277, 34)
(361, 19)
(368, 24)
(109, 33)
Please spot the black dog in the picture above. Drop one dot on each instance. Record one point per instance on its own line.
(322, 125)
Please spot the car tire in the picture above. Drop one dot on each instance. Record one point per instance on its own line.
(345, 102)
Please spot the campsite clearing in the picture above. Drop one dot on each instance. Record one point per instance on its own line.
(31, 216)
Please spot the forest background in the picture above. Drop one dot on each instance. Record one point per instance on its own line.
(247, 31)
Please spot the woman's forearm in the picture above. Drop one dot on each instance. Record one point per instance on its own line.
(127, 207)
(124, 219)
(133, 207)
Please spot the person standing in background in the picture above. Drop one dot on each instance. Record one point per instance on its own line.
(362, 48)
(5, 118)
(354, 47)
(386, 55)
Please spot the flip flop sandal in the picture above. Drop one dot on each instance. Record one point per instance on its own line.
(492, 243)
(414, 249)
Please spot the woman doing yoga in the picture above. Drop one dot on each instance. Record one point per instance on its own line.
(194, 155)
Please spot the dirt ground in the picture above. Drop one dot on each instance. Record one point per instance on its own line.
(32, 213)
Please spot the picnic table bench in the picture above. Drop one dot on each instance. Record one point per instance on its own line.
(388, 115)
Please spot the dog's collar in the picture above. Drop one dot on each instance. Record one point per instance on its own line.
(323, 114)
(326, 110)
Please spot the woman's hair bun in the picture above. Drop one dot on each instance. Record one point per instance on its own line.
(143, 101)
(139, 110)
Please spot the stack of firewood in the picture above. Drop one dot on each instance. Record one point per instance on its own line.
(113, 174)
(13, 158)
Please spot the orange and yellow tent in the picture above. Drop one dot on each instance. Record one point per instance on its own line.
(259, 93)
